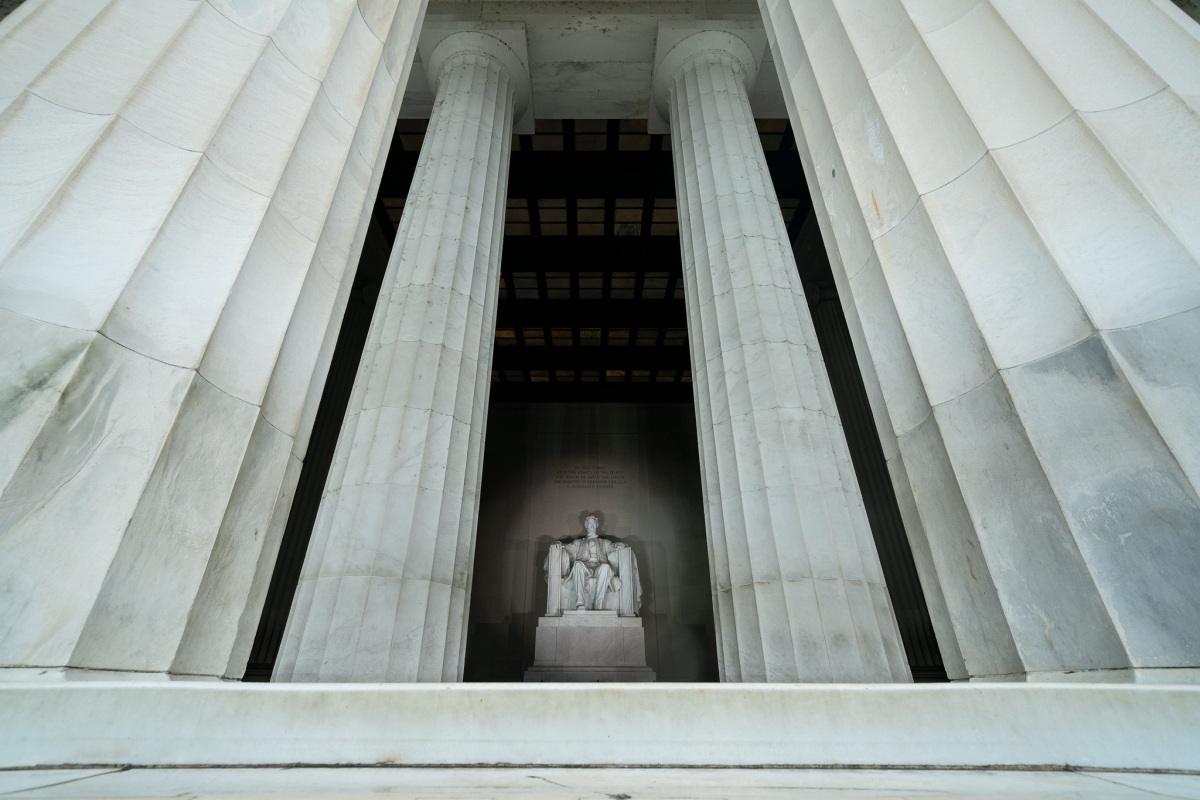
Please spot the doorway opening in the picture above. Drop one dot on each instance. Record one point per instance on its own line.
(591, 346)
(591, 403)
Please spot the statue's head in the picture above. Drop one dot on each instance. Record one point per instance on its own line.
(592, 524)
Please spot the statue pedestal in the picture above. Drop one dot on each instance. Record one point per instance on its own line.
(589, 646)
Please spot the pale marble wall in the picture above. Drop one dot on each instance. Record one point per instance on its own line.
(1009, 192)
(545, 466)
(184, 186)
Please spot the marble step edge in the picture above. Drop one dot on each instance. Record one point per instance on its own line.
(1087, 726)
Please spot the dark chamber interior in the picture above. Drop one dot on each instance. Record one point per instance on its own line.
(591, 314)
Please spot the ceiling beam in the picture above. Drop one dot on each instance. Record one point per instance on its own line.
(591, 392)
(591, 313)
(624, 357)
(590, 173)
(592, 254)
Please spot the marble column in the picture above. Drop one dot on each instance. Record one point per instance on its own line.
(185, 185)
(384, 590)
(1009, 193)
(798, 593)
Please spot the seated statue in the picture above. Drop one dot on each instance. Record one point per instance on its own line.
(592, 574)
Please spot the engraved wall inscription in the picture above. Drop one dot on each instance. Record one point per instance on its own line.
(589, 476)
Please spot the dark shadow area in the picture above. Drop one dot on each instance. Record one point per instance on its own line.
(634, 465)
(879, 498)
(352, 338)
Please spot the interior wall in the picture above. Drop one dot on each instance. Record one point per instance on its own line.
(546, 465)
(1191, 7)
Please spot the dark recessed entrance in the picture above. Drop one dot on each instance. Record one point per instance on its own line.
(591, 339)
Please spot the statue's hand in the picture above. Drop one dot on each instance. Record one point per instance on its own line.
(615, 584)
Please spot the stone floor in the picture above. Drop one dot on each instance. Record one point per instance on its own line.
(618, 784)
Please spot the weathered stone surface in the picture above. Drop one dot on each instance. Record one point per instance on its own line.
(797, 586)
(383, 594)
(184, 185)
(589, 647)
(217, 724)
(1008, 192)
(566, 783)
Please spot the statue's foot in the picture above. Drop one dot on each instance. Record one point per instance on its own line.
(580, 607)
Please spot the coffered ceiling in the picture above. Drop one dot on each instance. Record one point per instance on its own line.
(592, 60)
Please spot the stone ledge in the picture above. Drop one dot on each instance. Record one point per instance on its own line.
(586, 674)
(676, 725)
(484, 783)
(589, 619)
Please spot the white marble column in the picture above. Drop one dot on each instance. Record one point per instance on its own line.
(1010, 194)
(798, 590)
(384, 591)
(184, 185)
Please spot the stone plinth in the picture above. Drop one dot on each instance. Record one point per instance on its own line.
(587, 646)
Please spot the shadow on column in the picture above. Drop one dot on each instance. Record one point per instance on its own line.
(334, 399)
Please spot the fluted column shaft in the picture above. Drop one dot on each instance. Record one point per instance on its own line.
(184, 185)
(1008, 190)
(798, 590)
(384, 589)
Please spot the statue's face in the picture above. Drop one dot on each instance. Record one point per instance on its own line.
(591, 523)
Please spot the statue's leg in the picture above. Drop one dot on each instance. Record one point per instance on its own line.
(579, 578)
(604, 575)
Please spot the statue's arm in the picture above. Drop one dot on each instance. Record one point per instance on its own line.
(614, 551)
(555, 559)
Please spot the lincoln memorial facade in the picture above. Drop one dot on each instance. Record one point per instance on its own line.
(576, 357)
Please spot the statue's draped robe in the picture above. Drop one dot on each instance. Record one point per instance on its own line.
(623, 595)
